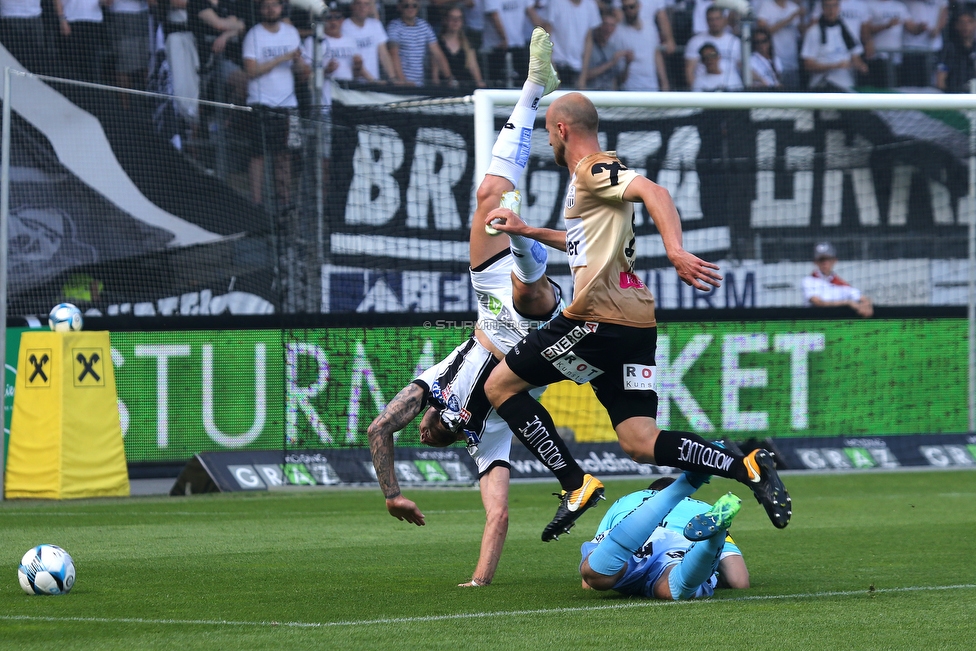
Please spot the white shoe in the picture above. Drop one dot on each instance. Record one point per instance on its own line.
(541, 70)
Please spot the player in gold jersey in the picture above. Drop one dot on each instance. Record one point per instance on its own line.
(608, 336)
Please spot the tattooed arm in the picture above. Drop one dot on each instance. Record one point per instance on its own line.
(401, 410)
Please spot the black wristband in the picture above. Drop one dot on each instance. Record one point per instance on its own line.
(395, 494)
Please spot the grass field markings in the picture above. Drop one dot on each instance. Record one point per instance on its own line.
(481, 615)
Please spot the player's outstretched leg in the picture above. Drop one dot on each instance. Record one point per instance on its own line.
(572, 504)
(702, 558)
(541, 70)
(768, 487)
(756, 470)
(718, 518)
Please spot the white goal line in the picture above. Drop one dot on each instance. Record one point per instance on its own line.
(480, 615)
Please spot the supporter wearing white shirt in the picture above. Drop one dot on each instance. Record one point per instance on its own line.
(718, 74)
(645, 71)
(889, 20)
(269, 55)
(782, 18)
(824, 288)
(272, 58)
(656, 11)
(338, 52)
(728, 44)
(930, 18)
(830, 53)
(371, 38)
(767, 69)
(854, 13)
(570, 20)
(507, 23)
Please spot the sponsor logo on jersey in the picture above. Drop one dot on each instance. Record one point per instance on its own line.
(572, 247)
(494, 305)
(565, 343)
(628, 280)
(638, 377)
(453, 403)
(576, 368)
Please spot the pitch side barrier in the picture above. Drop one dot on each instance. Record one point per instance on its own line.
(826, 392)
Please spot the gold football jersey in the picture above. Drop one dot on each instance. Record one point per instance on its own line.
(600, 243)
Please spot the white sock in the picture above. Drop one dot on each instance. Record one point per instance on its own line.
(510, 154)
(530, 258)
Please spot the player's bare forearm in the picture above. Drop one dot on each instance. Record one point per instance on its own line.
(733, 573)
(494, 495)
(506, 221)
(401, 410)
(691, 269)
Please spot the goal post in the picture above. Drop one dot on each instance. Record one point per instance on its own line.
(490, 105)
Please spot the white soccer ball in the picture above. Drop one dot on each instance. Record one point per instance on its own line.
(65, 317)
(46, 569)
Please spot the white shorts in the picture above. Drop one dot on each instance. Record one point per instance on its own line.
(457, 383)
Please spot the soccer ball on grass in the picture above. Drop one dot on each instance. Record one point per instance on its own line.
(65, 317)
(46, 569)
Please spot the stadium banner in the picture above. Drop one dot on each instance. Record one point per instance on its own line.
(258, 470)
(182, 393)
(796, 175)
(261, 470)
(855, 453)
(745, 284)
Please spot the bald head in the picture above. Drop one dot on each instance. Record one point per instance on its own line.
(576, 111)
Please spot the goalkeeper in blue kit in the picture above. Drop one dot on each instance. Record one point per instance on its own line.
(662, 544)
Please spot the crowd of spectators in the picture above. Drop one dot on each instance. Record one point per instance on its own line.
(620, 44)
(227, 50)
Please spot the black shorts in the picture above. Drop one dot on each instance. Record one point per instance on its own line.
(267, 130)
(618, 361)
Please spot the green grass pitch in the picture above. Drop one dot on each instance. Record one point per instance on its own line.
(870, 561)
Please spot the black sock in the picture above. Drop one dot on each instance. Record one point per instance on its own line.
(691, 452)
(533, 426)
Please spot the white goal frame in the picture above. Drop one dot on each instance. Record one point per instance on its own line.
(485, 101)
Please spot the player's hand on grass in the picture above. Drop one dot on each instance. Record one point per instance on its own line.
(403, 509)
(694, 271)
